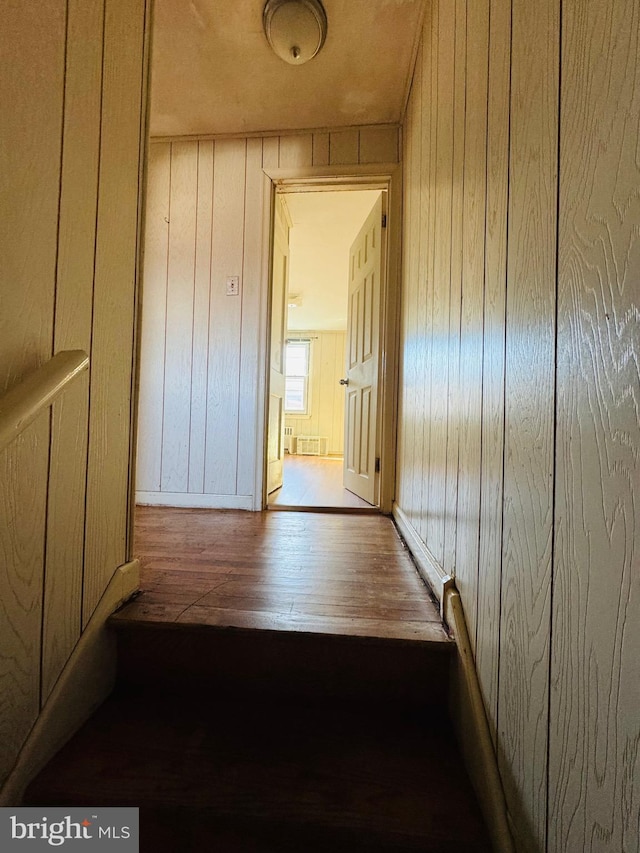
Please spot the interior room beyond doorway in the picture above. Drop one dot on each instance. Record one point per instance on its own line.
(320, 229)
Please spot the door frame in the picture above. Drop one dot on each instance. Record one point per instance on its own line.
(384, 176)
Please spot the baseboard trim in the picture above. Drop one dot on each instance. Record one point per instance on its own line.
(84, 683)
(194, 501)
(430, 570)
(472, 728)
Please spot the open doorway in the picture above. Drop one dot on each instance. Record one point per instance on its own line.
(322, 424)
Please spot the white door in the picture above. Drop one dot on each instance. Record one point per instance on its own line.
(275, 425)
(363, 325)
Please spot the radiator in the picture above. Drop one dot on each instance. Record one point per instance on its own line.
(311, 445)
(289, 440)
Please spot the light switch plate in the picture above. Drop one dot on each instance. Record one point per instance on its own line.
(233, 285)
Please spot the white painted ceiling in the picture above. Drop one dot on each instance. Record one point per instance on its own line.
(213, 71)
(325, 225)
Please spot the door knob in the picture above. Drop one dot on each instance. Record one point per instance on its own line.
(344, 381)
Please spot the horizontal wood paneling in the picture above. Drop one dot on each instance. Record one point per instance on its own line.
(73, 78)
(200, 348)
(542, 435)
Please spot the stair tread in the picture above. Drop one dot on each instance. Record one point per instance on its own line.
(342, 771)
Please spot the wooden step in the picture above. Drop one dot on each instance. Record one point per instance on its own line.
(261, 776)
(223, 660)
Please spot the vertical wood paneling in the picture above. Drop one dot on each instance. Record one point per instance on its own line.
(225, 318)
(74, 304)
(343, 147)
(59, 117)
(442, 192)
(454, 403)
(296, 151)
(154, 307)
(199, 337)
(31, 103)
(490, 567)
(217, 220)
(594, 798)
(471, 327)
(114, 296)
(410, 378)
(179, 319)
(424, 293)
(249, 355)
(529, 404)
(428, 215)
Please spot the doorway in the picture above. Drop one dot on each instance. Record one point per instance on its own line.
(323, 399)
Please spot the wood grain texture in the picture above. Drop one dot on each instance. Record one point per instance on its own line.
(57, 111)
(176, 420)
(114, 296)
(594, 752)
(424, 297)
(410, 336)
(31, 101)
(442, 193)
(454, 403)
(248, 437)
(200, 331)
(153, 320)
(529, 405)
(490, 560)
(268, 563)
(74, 304)
(471, 321)
(225, 317)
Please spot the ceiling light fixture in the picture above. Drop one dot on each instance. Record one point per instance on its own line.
(295, 29)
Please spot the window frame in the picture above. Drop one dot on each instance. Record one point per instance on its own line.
(296, 413)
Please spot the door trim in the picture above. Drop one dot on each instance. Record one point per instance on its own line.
(317, 178)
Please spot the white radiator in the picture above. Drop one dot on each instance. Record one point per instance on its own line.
(311, 445)
(289, 440)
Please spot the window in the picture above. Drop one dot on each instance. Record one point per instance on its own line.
(296, 388)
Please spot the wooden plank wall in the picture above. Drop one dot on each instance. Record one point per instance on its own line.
(326, 415)
(199, 349)
(519, 442)
(72, 94)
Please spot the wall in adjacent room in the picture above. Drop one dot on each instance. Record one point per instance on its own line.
(519, 442)
(326, 411)
(200, 349)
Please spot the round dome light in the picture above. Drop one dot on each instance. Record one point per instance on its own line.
(295, 29)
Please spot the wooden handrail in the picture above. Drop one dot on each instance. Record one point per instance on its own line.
(20, 405)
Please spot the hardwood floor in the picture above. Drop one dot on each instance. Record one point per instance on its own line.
(286, 571)
(282, 686)
(315, 481)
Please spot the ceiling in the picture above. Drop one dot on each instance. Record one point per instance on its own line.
(213, 71)
(324, 226)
